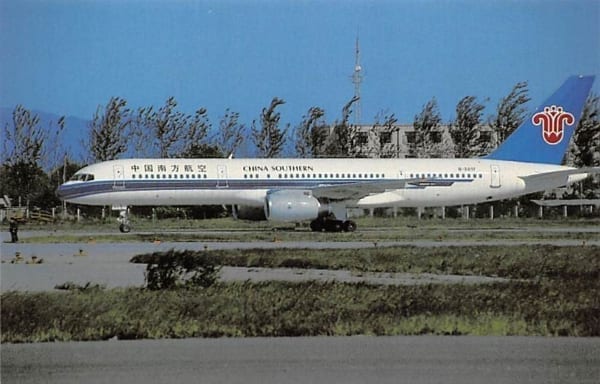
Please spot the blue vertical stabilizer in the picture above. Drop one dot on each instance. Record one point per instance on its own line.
(544, 136)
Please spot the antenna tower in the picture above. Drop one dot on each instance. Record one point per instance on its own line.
(357, 79)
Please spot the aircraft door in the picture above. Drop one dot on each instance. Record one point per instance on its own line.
(495, 176)
(118, 177)
(222, 176)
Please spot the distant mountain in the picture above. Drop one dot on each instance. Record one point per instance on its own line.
(71, 140)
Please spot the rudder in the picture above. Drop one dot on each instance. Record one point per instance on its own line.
(545, 135)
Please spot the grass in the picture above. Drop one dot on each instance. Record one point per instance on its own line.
(517, 262)
(552, 291)
(544, 308)
(370, 229)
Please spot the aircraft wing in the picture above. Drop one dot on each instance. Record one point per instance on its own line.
(562, 175)
(358, 189)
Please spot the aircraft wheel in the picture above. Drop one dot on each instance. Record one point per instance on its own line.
(349, 226)
(124, 228)
(334, 226)
(316, 226)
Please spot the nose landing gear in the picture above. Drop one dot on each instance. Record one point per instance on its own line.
(124, 224)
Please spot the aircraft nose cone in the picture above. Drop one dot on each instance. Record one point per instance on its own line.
(60, 192)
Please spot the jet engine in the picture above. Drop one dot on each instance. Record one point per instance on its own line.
(293, 205)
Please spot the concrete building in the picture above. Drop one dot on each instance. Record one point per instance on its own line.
(398, 141)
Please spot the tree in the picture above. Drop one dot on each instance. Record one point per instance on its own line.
(427, 127)
(510, 114)
(108, 130)
(311, 133)
(195, 133)
(231, 133)
(585, 149)
(465, 131)
(269, 138)
(21, 174)
(381, 134)
(203, 151)
(54, 144)
(341, 142)
(587, 135)
(167, 132)
(24, 139)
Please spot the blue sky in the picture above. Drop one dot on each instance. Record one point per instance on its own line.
(68, 57)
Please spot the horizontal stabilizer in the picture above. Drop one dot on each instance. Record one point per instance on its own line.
(558, 178)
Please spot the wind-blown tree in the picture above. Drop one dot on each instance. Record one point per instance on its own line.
(196, 132)
(269, 138)
(54, 145)
(385, 124)
(427, 125)
(311, 133)
(465, 131)
(21, 174)
(341, 142)
(167, 132)
(109, 130)
(587, 135)
(585, 148)
(510, 114)
(230, 135)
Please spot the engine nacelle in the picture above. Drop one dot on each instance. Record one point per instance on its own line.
(246, 212)
(294, 206)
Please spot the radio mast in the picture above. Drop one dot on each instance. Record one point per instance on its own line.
(357, 79)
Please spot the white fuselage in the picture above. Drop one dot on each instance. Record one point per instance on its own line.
(155, 182)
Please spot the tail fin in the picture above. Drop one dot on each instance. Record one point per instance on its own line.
(544, 137)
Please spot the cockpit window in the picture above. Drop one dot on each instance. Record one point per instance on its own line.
(82, 177)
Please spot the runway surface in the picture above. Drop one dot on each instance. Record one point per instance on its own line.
(108, 263)
(361, 359)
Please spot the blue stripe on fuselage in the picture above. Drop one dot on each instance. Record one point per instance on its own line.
(90, 188)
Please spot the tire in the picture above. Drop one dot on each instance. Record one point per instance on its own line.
(124, 228)
(316, 226)
(333, 226)
(349, 226)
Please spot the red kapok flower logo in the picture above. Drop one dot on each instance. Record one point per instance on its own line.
(553, 121)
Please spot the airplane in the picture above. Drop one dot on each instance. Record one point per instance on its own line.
(321, 190)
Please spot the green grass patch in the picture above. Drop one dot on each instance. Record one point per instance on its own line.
(517, 262)
(543, 308)
(552, 291)
(370, 229)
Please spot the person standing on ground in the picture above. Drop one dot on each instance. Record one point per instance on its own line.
(14, 230)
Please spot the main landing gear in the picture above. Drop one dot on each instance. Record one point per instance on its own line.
(332, 225)
(124, 224)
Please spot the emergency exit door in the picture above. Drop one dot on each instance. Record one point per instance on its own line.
(118, 177)
(495, 176)
(222, 176)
